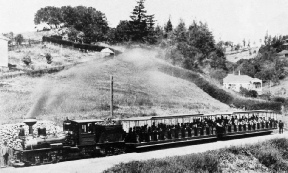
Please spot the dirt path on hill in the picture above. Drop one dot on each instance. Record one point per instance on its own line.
(101, 164)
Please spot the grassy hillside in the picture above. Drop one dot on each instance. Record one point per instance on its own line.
(83, 91)
(279, 90)
(236, 56)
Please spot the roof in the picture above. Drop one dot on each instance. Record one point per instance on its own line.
(87, 121)
(223, 113)
(137, 119)
(176, 116)
(161, 117)
(255, 111)
(283, 52)
(231, 78)
(107, 50)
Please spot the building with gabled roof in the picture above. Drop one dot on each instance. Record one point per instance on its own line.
(235, 82)
(283, 53)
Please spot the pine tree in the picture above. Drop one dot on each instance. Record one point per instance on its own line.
(141, 24)
(151, 33)
(168, 27)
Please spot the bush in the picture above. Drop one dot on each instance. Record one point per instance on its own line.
(248, 93)
(281, 144)
(27, 60)
(205, 162)
(48, 58)
(279, 99)
(257, 104)
(269, 155)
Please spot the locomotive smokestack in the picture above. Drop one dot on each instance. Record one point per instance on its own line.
(30, 123)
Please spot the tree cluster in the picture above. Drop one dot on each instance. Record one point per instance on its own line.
(191, 47)
(267, 65)
(194, 47)
(85, 23)
(140, 28)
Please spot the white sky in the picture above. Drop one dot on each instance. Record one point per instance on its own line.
(231, 20)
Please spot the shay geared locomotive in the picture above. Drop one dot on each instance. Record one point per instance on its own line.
(94, 137)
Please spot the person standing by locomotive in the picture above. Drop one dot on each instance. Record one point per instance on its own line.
(281, 126)
(5, 154)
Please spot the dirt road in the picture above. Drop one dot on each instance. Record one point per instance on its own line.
(101, 164)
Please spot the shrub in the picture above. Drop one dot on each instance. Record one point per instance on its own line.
(279, 99)
(205, 162)
(48, 58)
(257, 104)
(248, 93)
(281, 144)
(27, 60)
(269, 155)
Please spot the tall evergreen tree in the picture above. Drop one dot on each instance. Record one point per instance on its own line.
(141, 24)
(151, 33)
(138, 22)
(168, 27)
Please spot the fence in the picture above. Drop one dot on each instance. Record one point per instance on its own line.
(80, 46)
(75, 45)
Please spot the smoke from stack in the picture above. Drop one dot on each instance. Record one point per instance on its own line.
(38, 106)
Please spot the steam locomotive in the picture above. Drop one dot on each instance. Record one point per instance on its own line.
(95, 137)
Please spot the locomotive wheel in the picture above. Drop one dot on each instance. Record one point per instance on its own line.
(37, 160)
(103, 151)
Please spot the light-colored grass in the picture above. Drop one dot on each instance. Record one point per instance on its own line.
(60, 56)
(279, 90)
(242, 55)
(83, 91)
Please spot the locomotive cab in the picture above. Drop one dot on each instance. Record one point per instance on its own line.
(91, 132)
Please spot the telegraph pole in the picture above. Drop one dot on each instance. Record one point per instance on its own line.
(111, 96)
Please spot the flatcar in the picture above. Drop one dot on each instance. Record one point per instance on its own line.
(95, 137)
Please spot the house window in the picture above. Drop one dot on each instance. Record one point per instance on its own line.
(257, 85)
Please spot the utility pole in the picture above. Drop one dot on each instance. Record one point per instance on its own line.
(111, 96)
(270, 87)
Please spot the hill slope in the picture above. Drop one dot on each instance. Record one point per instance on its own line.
(83, 91)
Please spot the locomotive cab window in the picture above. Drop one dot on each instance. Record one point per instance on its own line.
(83, 128)
(90, 128)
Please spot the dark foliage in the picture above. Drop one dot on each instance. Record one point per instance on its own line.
(75, 45)
(19, 39)
(280, 99)
(27, 60)
(57, 41)
(266, 65)
(248, 93)
(88, 20)
(48, 58)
